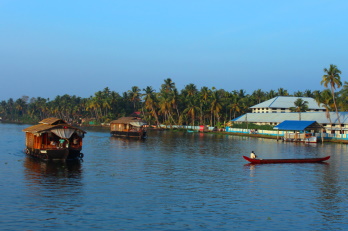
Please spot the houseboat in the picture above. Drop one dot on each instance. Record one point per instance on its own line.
(54, 139)
(128, 127)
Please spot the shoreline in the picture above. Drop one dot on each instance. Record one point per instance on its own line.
(211, 132)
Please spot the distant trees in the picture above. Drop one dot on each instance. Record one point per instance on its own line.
(208, 106)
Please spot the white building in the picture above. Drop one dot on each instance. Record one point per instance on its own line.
(281, 104)
(276, 110)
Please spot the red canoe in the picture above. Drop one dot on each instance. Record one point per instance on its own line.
(273, 161)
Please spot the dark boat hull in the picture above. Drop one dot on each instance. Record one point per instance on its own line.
(274, 161)
(139, 135)
(54, 154)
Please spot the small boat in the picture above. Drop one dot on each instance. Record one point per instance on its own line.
(54, 139)
(274, 161)
(191, 131)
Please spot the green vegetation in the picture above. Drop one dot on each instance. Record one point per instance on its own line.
(169, 106)
(300, 106)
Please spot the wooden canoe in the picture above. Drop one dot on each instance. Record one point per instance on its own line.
(273, 161)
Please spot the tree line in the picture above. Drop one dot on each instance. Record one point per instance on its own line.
(169, 106)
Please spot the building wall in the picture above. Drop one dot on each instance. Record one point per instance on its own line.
(325, 136)
(277, 110)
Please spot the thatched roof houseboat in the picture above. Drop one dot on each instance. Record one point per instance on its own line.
(53, 139)
(128, 127)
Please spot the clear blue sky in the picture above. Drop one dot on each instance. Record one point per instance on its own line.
(78, 47)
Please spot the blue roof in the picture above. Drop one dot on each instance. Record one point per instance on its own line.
(294, 125)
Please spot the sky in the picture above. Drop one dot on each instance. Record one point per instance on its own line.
(79, 47)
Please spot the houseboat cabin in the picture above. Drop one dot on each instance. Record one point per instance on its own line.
(128, 127)
(54, 139)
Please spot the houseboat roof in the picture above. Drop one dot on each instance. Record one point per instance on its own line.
(52, 121)
(297, 125)
(287, 102)
(127, 120)
(49, 124)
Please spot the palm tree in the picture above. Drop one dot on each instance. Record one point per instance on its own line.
(190, 89)
(300, 106)
(235, 105)
(165, 107)
(332, 78)
(271, 94)
(298, 94)
(134, 95)
(175, 102)
(191, 109)
(168, 85)
(150, 102)
(215, 106)
(308, 93)
(258, 95)
(327, 102)
(204, 96)
(282, 92)
(344, 97)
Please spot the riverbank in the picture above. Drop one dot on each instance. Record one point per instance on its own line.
(210, 130)
(275, 137)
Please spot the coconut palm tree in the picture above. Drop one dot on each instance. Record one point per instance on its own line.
(282, 92)
(204, 96)
(258, 95)
(150, 102)
(215, 106)
(168, 85)
(300, 106)
(165, 107)
(298, 94)
(175, 102)
(271, 94)
(343, 97)
(134, 95)
(332, 78)
(235, 105)
(308, 93)
(192, 109)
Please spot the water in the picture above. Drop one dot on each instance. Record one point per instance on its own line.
(173, 181)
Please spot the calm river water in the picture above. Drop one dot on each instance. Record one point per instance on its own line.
(173, 181)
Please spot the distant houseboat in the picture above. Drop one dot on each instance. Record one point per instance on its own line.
(128, 127)
(54, 139)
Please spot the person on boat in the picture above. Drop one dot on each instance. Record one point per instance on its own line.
(253, 155)
(61, 142)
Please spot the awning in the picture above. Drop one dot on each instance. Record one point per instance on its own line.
(63, 133)
(297, 125)
(137, 123)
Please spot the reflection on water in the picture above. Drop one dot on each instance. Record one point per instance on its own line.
(54, 189)
(37, 169)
